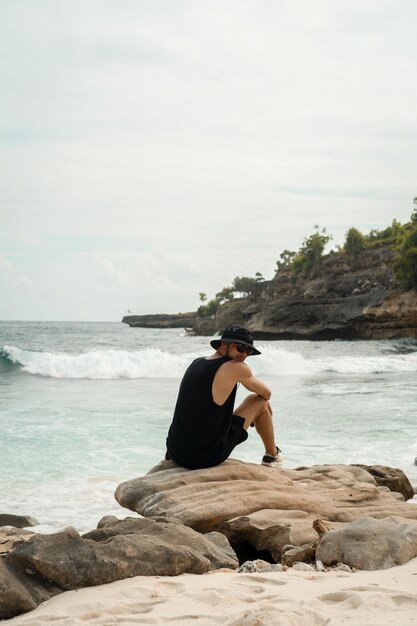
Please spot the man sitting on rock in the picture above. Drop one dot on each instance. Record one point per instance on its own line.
(205, 428)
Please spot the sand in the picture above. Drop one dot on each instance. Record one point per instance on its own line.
(296, 598)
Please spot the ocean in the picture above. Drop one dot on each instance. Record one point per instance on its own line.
(85, 406)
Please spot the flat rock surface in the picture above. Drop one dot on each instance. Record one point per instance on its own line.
(261, 510)
(207, 499)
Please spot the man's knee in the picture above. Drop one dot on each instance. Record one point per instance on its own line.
(264, 407)
(259, 400)
(264, 404)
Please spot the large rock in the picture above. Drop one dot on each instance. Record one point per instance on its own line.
(18, 521)
(15, 598)
(369, 544)
(391, 477)
(261, 509)
(268, 531)
(49, 564)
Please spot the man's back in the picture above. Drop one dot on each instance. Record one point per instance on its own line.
(199, 424)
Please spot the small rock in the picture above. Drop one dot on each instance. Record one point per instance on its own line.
(303, 567)
(248, 567)
(320, 567)
(344, 567)
(320, 527)
(260, 566)
(288, 547)
(306, 552)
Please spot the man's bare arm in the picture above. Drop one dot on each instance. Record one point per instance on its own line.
(252, 383)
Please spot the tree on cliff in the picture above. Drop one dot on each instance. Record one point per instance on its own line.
(246, 285)
(355, 243)
(405, 264)
(286, 259)
(310, 252)
(389, 236)
(414, 213)
(210, 307)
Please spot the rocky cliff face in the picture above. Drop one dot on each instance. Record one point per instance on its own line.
(338, 299)
(161, 320)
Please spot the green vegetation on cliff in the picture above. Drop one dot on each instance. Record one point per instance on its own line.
(405, 263)
(310, 252)
(246, 286)
(355, 243)
(399, 239)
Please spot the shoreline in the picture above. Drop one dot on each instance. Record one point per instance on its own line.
(226, 597)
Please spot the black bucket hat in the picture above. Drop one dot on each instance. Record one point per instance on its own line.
(235, 334)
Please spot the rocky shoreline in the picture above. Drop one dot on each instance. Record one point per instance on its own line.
(337, 300)
(161, 320)
(239, 516)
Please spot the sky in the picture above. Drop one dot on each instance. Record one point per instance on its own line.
(151, 150)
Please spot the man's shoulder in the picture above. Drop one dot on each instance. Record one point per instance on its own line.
(235, 369)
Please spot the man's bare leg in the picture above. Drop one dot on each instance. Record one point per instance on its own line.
(256, 409)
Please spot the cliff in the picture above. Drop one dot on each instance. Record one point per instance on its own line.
(161, 320)
(338, 299)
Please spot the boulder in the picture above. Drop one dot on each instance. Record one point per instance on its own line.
(162, 543)
(268, 531)
(261, 509)
(14, 597)
(391, 477)
(208, 498)
(18, 521)
(49, 564)
(369, 544)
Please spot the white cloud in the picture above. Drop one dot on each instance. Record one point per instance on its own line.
(202, 137)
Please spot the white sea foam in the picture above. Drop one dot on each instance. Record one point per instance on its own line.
(155, 363)
(277, 361)
(100, 364)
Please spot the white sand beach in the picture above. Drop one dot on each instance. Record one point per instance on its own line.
(291, 598)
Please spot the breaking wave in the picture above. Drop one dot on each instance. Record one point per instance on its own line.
(98, 364)
(114, 364)
(278, 362)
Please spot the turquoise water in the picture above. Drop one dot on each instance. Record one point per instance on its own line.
(84, 406)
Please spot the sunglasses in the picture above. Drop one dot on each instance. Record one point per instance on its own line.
(242, 348)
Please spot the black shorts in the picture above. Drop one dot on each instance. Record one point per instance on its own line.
(236, 435)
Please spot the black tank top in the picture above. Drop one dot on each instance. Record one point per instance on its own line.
(199, 425)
